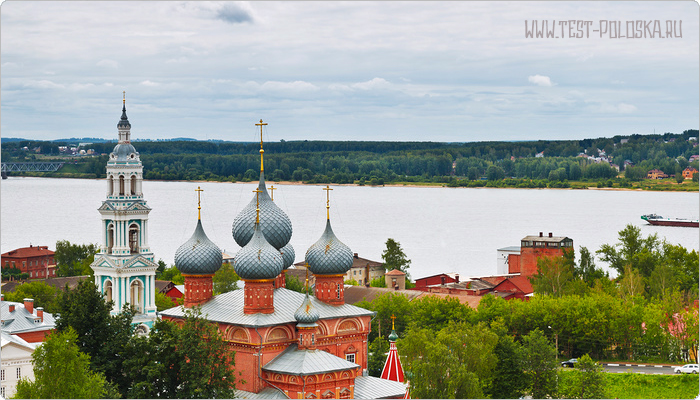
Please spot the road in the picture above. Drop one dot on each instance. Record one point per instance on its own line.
(639, 368)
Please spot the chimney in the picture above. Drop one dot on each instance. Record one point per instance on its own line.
(29, 305)
(550, 234)
(456, 278)
(355, 255)
(540, 234)
(12, 308)
(40, 313)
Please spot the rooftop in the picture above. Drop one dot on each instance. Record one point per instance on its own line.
(293, 361)
(31, 251)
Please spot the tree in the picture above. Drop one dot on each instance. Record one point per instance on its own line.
(173, 275)
(191, 360)
(61, 371)
(586, 269)
(632, 283)
(394, 257)
(386, 305)
(455, 362)
(640, 253)
(225, 279)
(495, 173)
(99, 334)
(540, 365)
(378, 282)
(378, 350)
(437, 312)
(43, 295)
(163, 302)
(74, 259)
(509, 378)
(291, 282)
(553, 273)
(587, 381)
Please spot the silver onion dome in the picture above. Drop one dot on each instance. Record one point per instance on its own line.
(198, 256)
(258, 259)
(287, 255)
(274, 223)
(306, 315)
(329, 256)
(123, 152)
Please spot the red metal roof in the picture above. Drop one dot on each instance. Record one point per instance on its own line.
(395, 272)
(392, 367)
(31, 251)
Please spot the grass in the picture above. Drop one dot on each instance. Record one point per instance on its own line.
(642, 386)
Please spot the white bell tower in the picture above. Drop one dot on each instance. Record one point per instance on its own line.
(125, 270)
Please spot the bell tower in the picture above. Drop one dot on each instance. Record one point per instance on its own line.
(124, 266)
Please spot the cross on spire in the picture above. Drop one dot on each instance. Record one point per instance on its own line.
(199, 191)
(393, 317)
(272, 191)
(328, 201)
(124, 93)
(257, 205)
(261, 144)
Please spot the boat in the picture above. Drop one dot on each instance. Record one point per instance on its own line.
(654, 219)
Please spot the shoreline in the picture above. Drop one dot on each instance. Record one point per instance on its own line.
(415, 185)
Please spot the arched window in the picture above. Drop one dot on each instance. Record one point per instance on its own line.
(121, 185)
(108, 291)
(110, 238)
(134, 238)
(133, 185)
(137, 295)
(111, 185)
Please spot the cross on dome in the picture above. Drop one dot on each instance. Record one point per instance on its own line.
(328, 201)
(261, 143)
(199, 191)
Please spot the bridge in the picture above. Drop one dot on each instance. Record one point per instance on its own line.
(29, 167)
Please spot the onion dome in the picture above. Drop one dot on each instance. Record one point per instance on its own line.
(258, 259)
(287, 255)
(274, 223)
(329, 256)
(306, 315)
(393, 336)
(124, 121)
(198, 256)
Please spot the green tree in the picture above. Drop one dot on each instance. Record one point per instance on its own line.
(587, 381)
(632, 283)
(437, 312)
(163, 302)
(173, 275)
(377, 356)
(509, 378)
(386, 305)
(640, 253)
(540, 365)
(99, 334)
(495, 173)
(225, 279)
(74, 259)
(586, 269)
(553, 274)
(44, 295)
(456, 362)
(291, 282)
(378, 282)
(188, 361)
(61, 371)
(394, 257)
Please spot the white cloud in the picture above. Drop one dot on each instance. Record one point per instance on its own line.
(297, 86)
(178, 60)
(619, 108)
(376, 83)
(539, 80)
(108, 63)
(43, 84)
(149, 83)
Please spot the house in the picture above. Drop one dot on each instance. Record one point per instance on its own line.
(694, 157)
(37, 261)
(656, 174)
(395, 279)
(439, 279)
(23, 320)
(363, 271)
(16, 363)
(169, 289)
(688, 172)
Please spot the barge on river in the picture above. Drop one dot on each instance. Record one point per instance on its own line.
(654, 219)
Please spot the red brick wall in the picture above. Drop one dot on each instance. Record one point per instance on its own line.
(529, 256)
(513, 263)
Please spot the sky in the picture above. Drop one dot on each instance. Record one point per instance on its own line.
(456, 71)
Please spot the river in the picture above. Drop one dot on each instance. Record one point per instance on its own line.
(440, 229)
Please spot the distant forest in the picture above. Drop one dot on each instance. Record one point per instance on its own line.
(541, 163)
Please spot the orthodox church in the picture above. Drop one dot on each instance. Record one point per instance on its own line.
(124, 266)
(287, 344)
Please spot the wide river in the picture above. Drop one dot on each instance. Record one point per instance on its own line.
(440, 229)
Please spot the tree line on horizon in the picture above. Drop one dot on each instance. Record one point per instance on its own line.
(377, 163)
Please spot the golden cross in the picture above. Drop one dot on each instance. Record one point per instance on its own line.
(272, 191)
(257, 205)
(307, 278)
(328, 201)
(393, 317)
(261, 144)
(199, 191)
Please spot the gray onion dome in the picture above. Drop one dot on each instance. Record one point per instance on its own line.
(287, 255)
(198, 256)
(329, 256)
(258, 259)
(274, 223)
(306, 315)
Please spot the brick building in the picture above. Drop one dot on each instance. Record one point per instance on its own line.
(688, 172)
(37, 261)
(534, 247)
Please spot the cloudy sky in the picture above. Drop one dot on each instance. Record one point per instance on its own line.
(442, 71)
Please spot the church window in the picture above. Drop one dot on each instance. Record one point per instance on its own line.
(345, 393)
(328, 395)
(111, 185)
(134, 239)
(337, 290)
(350, 357)
(133, 185)
(108, 291)
(121, 185)
(2, 375)
(19, 372)
(110, 239)
(137, 295)
(2, 392)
